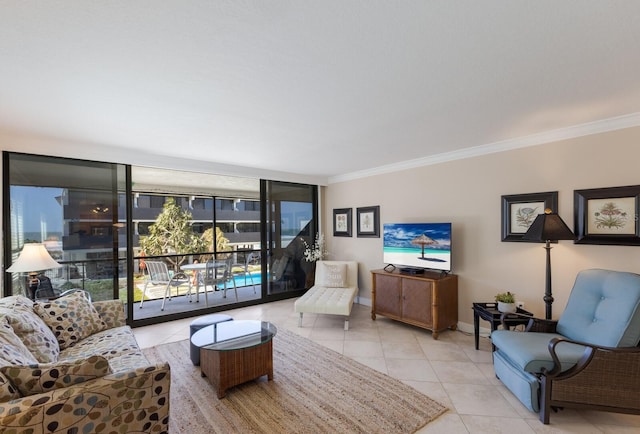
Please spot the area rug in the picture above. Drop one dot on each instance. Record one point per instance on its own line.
(314, 390)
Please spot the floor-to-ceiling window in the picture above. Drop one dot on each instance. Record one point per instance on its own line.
(72, 207)
(97, 220)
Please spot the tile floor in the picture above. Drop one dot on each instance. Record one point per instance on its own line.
(449, 370)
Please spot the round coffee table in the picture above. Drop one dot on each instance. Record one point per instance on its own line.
(235, 352)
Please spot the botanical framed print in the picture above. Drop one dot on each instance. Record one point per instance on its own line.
(520, 210)
(342, 222)
(607, 215)
(368, 221)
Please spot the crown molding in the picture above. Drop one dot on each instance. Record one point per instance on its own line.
(586, 129)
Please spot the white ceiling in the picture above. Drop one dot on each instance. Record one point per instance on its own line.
(324, 88)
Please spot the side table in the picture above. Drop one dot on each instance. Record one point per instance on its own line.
(490, 312)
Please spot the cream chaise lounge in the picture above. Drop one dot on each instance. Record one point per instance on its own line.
(333, 292)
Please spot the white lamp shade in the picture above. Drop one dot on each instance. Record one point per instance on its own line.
(34, 257)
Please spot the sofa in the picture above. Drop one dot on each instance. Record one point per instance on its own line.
(334, 290)
(72, 366)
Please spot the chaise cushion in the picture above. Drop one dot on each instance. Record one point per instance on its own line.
(335, 275)
(30, 329)
(320, 299)
(39, 378)
(71, 318)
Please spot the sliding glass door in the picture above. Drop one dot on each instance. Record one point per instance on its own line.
(291, 216)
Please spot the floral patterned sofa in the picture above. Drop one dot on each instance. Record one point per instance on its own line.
(72, 366)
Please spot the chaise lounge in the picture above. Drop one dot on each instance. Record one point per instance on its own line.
(335, 287)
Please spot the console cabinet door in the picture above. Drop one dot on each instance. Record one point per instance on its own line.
(388, 292)
(417, 301)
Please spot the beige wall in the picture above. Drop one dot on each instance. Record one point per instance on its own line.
(468, 193)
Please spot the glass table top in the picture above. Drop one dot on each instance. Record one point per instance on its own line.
(234, 335)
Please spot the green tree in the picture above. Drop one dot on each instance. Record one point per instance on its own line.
(222, 243)
(172, 234)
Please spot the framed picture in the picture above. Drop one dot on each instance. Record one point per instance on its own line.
(342, 222)
(520, 210)
(368, 222)
(607, 215)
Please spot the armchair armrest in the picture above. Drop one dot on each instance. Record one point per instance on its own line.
(539, 325)
(608, 355)
(97, 405)
(604, 378)
(111, 312)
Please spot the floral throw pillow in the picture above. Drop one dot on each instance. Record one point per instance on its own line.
(39, 378)
(335, 275)
(71, 318)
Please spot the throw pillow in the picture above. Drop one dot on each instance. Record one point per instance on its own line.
(12, 350)
(39, 378)
(71, 318)
(7, 390)
(36, 336)
(335, 275)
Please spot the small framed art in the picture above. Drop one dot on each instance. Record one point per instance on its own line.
(342, 222)
(368, 222)
(607, 215)
(520, 210)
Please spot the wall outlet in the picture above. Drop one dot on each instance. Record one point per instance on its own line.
(520, 304)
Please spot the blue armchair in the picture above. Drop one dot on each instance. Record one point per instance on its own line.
(589, 358)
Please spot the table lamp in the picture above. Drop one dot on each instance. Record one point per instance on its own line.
(548, 227)
(33, 258)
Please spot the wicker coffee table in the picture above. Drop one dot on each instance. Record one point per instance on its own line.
(235, 352)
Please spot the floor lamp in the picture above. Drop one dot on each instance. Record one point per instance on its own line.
(548, 227)
(33, 258)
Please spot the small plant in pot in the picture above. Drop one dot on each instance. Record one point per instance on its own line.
(506, 302)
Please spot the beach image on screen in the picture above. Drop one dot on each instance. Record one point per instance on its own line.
(422, 245)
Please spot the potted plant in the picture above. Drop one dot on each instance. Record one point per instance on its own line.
(506, 302)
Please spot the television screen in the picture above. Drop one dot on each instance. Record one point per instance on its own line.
(419, 245)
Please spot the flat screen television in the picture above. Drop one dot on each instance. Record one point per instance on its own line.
(414, 247)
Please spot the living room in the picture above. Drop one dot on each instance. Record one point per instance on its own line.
(584, 135)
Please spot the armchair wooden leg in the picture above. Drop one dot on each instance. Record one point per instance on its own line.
(545, 397)
(300, 320)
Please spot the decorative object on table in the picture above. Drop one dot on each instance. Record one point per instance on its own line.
(607, 215)
(316, 251)
(548, 227)
(368, 222)
(506, 302)
(520, 210)
(33, 258)
(342, 222)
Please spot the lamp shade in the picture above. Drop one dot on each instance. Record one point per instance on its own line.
(548, 227)
(34, 257)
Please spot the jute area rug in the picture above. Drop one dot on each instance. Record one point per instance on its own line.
(314, 390)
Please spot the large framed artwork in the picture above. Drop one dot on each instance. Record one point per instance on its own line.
(342, 222)
(368, 222)
(607, 215)
(520, 210)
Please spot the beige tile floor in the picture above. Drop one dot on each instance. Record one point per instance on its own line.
(448, 370)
